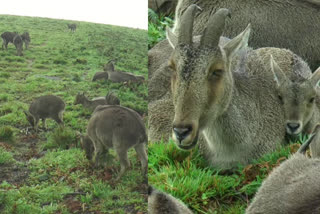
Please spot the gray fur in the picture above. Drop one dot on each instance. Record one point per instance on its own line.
(26, 39)
(298, 92)
(48, 106)
(87, 146)
(293, 187)
(158, 56)
(100, 75)
(7, 37)
(223, 97)
(276, 23)
(92, 104)
(112, 99)
(163, 7)
(315, 146)
(72, 27)
(18, 43)
(119, 128)
(163, 203)
(120, 76)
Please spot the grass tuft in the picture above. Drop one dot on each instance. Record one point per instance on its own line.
(5, 157)
(7, 134)
(157, 27)
(62, 137)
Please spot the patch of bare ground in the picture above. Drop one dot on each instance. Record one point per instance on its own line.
(13, 174)
(23, 150)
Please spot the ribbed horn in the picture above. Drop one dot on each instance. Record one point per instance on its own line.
(186, 25)
(215, 28)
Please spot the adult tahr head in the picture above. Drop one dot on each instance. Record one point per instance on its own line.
(202, 80)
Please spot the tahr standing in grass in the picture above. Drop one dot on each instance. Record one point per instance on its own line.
(48, 106)
(119, 128)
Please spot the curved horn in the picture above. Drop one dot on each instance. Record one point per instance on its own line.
(186, 25)
(215, 28)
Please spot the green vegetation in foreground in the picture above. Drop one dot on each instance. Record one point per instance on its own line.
(47, 172)
(185, 175)
(7, 134)
(62, 181)
(157, 27)
(5, 156)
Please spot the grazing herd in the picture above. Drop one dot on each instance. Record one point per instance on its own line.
(110, 126)
(207, 86)
(17, 40)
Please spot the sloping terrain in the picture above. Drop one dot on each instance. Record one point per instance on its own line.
(47, 172)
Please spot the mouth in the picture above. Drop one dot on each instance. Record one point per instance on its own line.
(190, 146)
(295, 133)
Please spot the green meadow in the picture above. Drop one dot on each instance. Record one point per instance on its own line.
(47, 172)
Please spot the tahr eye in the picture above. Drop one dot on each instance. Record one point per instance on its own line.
(280, 98)
(311, 100)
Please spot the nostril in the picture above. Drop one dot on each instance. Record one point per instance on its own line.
(293, 126)
(182, 132)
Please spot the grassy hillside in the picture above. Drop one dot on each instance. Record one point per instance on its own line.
(47, 172)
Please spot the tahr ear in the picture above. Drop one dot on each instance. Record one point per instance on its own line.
(172, 38)
(237, 43)
(109, 66)
(315, 78)
(279, 76)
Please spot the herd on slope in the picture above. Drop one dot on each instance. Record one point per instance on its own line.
(237, 102)
(18, 40)
(126, 128)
